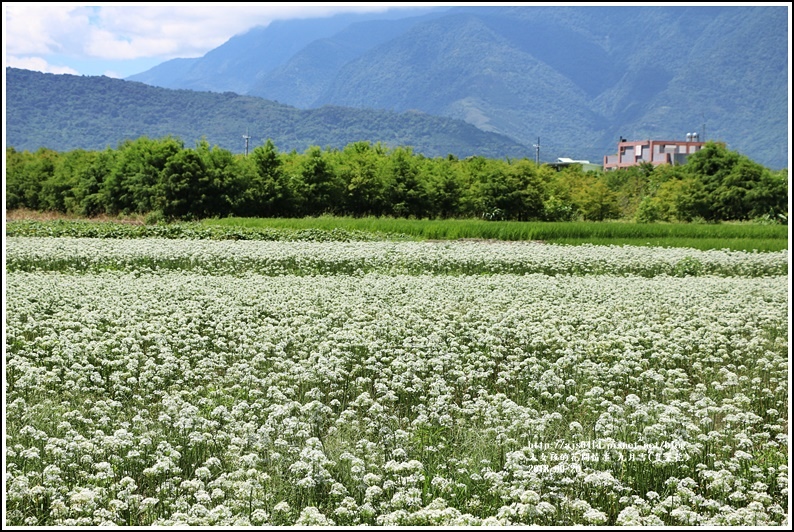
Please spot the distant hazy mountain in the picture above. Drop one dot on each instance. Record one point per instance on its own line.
(577, 77)
(65, 112)
(244, 59)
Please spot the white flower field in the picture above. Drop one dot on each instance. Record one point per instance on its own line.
(176, 382)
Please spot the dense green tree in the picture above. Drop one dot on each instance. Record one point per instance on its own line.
(316, 188)
(648, 211)
(558, 205)
(58, 192)
(730, 197)
(770, 197)
(406, 191)
(710, 167)
(690, 200)
(509, 192)
(470, 172)
(528, 191)
(595, 200)
(88, 192)
(732, 187)
(266, 192)
(358, 166)
(134, 184)
(15, 164)
(146, 175)
(26, 174)
(15, 179)
(658, 199)
(184, 189)
(630, 186)
(445, 187)
(219, 184)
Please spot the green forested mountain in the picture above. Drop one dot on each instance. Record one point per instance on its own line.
(65, 112)
(577, 77)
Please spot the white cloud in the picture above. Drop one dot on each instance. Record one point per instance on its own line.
(38, 64)
(145, 30)
(42, 28)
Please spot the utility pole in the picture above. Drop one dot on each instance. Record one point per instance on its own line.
(246, 137)
(537, 152)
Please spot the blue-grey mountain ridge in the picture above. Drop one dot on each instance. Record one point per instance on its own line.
(467, 80)
(577, 77)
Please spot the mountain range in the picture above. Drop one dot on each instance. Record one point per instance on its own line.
(500, 81)
(576, 78)
(64, 112)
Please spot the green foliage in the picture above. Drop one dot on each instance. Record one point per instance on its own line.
(445, 188)
(26, 174)
(648, 211)
(688, 266)
(317, 188)
(57, 192)
(88, 192)
(715, 185)
(160, 175)
(743, 236)
(725, 185)
(135, 183)
(769, 197)
(407, 194)
(265, 191)
(595, 200)
(558, 210)
(184, 185)
(359, 167)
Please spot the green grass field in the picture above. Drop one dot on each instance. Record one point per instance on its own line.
(731, 236)
(736, 237)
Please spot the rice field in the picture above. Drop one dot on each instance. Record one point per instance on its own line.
(703, 236)
(162, 381)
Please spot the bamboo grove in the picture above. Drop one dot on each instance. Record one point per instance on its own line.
(164, 180)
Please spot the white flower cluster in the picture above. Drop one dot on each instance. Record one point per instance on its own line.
(356, 258)
(161, 397)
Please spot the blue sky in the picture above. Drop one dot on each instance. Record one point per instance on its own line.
(122, 39)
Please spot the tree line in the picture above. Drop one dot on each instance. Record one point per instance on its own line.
(164, 180)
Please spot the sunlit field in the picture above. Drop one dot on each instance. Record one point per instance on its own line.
(734, 236)
(160, 381)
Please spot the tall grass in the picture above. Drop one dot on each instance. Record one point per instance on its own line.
(740, 237)
(732, 236)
